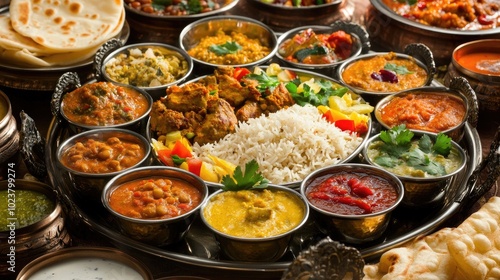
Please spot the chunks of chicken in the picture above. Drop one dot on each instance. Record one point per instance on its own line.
(219, 121)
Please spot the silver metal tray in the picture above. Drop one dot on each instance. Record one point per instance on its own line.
(200, 249)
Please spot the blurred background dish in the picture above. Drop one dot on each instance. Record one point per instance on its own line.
(389, 30)
(150, 66)
(282, 18)
(40, 226)
(165, 28)
(485, 82)
(228, 41)
(86, 263)
(322, 48)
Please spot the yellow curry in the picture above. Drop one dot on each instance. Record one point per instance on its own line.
(254, 213)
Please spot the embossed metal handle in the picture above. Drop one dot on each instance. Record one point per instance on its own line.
(461, 84)
(489, 165)
(32, 147)
(101, 53)
(327, 260)
(67, 82)
(356, 29)
(423, 52)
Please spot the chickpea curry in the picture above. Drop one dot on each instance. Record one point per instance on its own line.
(103, 155)
(155, 198)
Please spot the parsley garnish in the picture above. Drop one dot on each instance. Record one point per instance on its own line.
(308, 96)
(252, 179)
(226, 48)
(265, 81)
(398, 69)
(396, 148)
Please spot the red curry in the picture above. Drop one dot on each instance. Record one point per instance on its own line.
(450, 14)
(424, 111)
(104, 103)
(155, 198)
(352, 193)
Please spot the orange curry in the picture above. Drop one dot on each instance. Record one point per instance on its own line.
(104, 103)
(155, 198)
(424, 111)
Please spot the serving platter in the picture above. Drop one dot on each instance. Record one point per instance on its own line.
(200, 248)
(45, 78)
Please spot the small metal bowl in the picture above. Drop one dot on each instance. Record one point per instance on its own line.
(69, 82)
(9, 135)
(157, 232)
(196, 31)
(459, 93)
(85, 263)
(113, 48)
(418, 53)
(485, 84)
(36, 239)
(360, 44)
(355, 229)
(255, 249)
(90, 185)
(422, 192)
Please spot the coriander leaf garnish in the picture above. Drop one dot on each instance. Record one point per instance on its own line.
(399, 69)
(409, 2)
(265, 82)
(442, 144)
(252, 179)
(396, 147)
(308, 96)
(226, 48)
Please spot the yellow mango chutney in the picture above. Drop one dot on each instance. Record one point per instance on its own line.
(254, 213)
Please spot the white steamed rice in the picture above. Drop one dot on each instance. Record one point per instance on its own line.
(288, 144)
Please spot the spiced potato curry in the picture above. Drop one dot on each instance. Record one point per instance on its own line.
(254, 213)
(385, 73)
(104, 104)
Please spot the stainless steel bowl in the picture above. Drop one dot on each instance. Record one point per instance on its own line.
(265, 249)
(147, 27)
(86, 263)
(32, 241)
(158, 232)
(459, 90)
(356, 229)
(114, 47)
(90, 185)
(69, 82)
(192, 34)
(485, 85)
(361, 44)
(9, 135)
(422, 192)
(416, 52)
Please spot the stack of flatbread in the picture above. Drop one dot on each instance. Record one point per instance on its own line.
(57, 33)
(470, 251)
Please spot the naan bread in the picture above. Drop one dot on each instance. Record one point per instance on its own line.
(66, 24)
(425, 258)
(470, 251)
(475, 244)
(11, 40)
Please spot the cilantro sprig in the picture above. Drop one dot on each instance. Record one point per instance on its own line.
(308, 96)
(251, 179)
(398, 147)
(398, 69)
(226, 48)
(265, 82)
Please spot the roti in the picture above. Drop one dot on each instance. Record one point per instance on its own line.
(66, 24)
(11, 40)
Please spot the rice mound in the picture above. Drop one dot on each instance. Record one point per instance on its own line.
(288, 144)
